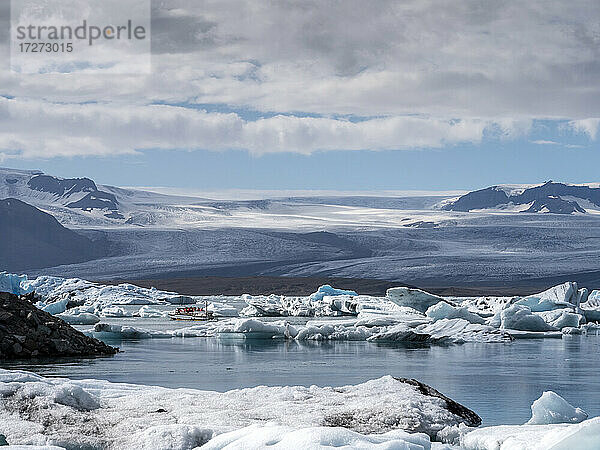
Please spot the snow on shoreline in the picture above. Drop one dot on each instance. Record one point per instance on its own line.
(381, 413)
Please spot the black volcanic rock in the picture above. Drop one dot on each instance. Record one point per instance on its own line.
(555, 205)
(96, 200)
(547, 197)
(32, 239)
(26, 332)
(484, 198)
(64, 187)
(61, 187)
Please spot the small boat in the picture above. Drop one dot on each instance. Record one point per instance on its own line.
(191, 313)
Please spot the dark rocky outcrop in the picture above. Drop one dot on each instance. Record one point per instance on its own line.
(32, 239)
(547, 197)
(64, 187)
(61, 186)
(26, 332)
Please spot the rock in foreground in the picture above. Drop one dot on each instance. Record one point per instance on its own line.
(26, 331)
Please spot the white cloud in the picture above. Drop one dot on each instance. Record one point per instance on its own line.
(432, 73)
(41, 129)
(545, 142)
(586, 126)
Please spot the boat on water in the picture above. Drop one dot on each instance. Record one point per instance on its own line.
(191, 313)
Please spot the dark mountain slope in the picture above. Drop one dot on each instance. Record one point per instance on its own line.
(547, 197)
(31, 239)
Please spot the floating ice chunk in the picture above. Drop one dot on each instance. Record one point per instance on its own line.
(115, 332)
(552, 408)
(408, 316)
(460, 330)
(57, 307)
(264, 305)
(253, 329)
(79, 319)
(443, 331)
(561, 296)
(114, 311)
(518, 317)
(591, 307)
(444, 310)
(330, 291)
(222, 309)
(562, 318)
(146, 311)
(413, 298)
(255, 437)
(520, 334)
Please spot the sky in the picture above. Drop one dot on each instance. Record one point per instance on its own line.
(324, 94)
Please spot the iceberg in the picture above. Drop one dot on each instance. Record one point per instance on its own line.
(413, 298)
(562, 318)
(10, 282)
(104, 331)
(79, 319)
(591, 307)
(561, 296)
(552, 408)
(82, 292)
(521, 318)
(100, 414)
(444, 310)
(329, 291)
(554, 425)
(56, 307)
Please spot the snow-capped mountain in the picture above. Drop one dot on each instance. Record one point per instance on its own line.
(550, 197)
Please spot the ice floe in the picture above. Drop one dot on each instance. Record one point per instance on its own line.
(382, 413)
(403, 315)
(98, 414)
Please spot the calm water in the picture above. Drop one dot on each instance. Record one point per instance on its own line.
(498, 381)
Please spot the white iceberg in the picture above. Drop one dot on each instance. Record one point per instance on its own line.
(561, 296)
(413, 298)
(552, 408)
(79, 319)
(444, 310)
(562, 318)
(105, 331)
(518, 317)
(147, 312)
(591, 307)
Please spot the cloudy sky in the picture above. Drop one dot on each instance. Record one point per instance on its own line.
(325, 94)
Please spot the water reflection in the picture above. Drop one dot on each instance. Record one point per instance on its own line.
(499, 381)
